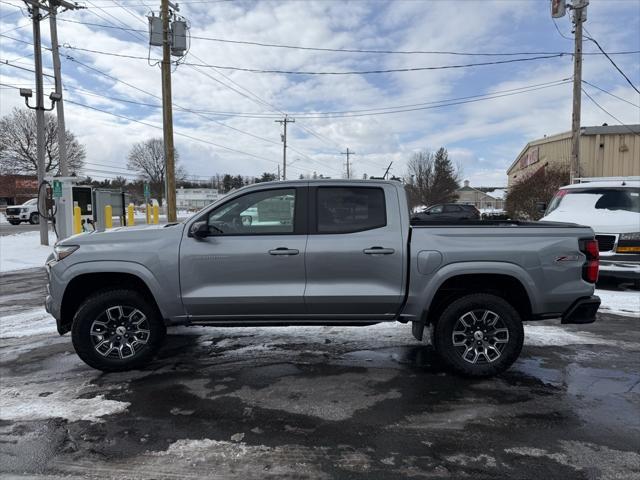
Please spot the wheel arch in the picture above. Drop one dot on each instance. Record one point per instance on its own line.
(502, 284)
(86, 281)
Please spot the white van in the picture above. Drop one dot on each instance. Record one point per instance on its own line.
(612, 208)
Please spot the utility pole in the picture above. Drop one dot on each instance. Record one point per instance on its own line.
(284, 123)
(579, 16)
(278, 172)
(39, 108)
(348, 153)
(62, 137)
(167, 116)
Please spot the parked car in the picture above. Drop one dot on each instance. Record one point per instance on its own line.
(346, 254)
(27, 212)
(447, 212)
(612, 209)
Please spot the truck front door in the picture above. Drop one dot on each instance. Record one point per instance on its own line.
(252, 262)
(355, 252)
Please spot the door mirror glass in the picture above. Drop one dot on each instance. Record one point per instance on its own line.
(200, 230)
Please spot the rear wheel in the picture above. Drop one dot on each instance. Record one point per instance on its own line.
(117, 330)
(34, 218)
(479, 335)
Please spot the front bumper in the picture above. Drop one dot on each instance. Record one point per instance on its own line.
(620, 266)
(582, 311)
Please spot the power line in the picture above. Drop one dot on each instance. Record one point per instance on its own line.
(590, 37)
(353, 50)
(608, 113)
(353, 72)
(611, 94)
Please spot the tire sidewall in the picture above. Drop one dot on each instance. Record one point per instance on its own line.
(34, 219)
(93, 307)
(447, 321)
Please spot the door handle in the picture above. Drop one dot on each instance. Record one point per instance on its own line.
(284, 251)
(378, 251)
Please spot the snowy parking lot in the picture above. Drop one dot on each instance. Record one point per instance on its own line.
(316, 402)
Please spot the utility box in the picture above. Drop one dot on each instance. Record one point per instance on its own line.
(179, 38)
(114, 198)
(63, 196)
(155, 31)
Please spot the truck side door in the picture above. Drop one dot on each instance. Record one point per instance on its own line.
(252, 263)
(355, 252)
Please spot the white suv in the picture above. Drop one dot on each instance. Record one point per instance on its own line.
(27, 212)
(612, 209)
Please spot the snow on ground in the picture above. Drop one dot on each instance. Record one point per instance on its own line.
(625, 303)
(32, 322)
(23, 250)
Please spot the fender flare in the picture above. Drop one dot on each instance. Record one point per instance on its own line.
(166, 304)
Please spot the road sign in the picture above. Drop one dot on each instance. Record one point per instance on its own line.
(57, 189)
(147, 191)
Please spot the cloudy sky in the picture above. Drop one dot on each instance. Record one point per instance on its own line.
(225, 118)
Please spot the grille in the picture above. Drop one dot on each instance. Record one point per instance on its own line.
(605, 242)
(13, 211)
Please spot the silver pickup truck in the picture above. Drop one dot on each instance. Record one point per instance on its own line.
(326, 252)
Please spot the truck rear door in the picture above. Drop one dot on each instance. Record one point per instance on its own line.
(355, 251)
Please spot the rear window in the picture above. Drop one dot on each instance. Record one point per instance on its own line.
(346, 210)
(627, 199)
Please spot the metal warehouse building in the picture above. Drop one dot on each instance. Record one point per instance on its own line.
(606, 151)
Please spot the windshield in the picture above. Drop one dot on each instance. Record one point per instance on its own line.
(627, 199)
(31, 202)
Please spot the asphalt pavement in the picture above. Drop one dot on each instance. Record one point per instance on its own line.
(319, 402)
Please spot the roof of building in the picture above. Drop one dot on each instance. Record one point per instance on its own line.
(601, 130)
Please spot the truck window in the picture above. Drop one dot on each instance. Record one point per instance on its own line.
(596, 199)
(266, 212)
(350, 209)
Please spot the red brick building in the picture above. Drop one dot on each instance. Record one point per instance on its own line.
(17, 189)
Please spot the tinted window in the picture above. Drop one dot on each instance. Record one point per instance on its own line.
(344, 210)
(436, 209)
(452, 208)
(266, 212)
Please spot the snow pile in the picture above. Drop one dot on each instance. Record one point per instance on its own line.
(31, 322)
(625, 303)
(23, 250)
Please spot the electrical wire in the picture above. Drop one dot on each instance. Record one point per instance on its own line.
(611, 94)
(608, 113)
(590, 37)
(351, 50)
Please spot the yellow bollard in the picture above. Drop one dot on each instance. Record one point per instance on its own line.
(148, 212)
(156, 215)
(130, 218)
(77, 220)
(108, 216)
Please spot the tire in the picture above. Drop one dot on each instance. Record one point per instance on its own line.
(487, 332)
(14, 222)
(34, 219)
(118, 314)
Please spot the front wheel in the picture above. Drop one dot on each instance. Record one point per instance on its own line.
(117, 330)
(34, 219)
(479, 335)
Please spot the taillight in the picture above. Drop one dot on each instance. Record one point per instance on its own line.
(590, 268)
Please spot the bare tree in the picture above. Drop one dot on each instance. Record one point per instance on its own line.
(147, 158)
(18, 149)
(540, 186)
(432, 178)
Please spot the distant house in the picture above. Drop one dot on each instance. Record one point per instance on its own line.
(17, 189)
(483, 199)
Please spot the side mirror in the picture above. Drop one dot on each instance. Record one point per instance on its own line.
(199, 230)
(541, 207)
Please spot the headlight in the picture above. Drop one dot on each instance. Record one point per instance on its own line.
(630, 236)
(63, 251)
(24, 210)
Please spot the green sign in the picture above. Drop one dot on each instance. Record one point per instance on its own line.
(57, 188)
(147, 192)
